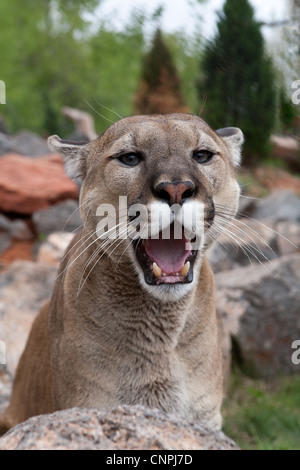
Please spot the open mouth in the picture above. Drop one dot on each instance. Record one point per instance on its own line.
(166, 261)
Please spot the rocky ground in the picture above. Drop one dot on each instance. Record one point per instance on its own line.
(257, 266)
(126, 427)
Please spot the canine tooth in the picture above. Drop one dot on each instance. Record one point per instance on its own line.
(156, 270)
(185, 269)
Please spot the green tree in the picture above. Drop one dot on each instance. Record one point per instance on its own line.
(43, 60)
(115, 57)
(160, 86)
(238, 82)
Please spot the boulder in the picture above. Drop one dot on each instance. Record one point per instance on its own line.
(124, 428)
(250, 241)
(27, 185)
(259, 308)
(16, 229)
(54, 248)
(288, 239)
(5, 143)
(278, 206)
(24, 143)
(243, 242)
(10, 230)
(5, 241)
(24, 288)
(62, 217)
(286, 148)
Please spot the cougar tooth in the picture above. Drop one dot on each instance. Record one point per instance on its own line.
(156, 270)
(185, 269)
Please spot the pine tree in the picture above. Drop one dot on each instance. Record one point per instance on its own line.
(238, 82)
(160, 86)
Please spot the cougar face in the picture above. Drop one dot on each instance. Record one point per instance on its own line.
(149, 194)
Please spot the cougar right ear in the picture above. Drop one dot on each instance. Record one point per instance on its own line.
(73, 155)
(234, 139)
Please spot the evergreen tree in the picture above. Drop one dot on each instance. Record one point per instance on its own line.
(238, 79)
(160, 86)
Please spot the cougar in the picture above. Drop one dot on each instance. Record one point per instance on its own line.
(132, 318)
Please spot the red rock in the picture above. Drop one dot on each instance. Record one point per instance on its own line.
(27, 184)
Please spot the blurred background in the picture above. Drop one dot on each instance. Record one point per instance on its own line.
(233, 63)
(74, 67)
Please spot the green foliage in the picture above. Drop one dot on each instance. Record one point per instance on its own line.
(239, 80)
(263, 415)
(160, 85)
(40, 40)
(287, 112)
(186, 51)
(52, 59)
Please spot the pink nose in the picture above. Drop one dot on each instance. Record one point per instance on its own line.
(175, 193)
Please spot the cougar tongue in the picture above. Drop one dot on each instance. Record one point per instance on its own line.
(169, 255)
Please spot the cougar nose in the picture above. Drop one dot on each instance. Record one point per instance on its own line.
(176, 192)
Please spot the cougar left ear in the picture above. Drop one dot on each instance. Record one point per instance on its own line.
(233, 137)
(73, 155)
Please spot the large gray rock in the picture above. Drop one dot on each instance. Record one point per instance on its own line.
(54, 248)
(5, 241)
(12, 229)
(5, 143)
(16, 229)
(24, 143)
(249, 241)
(62, 217)
(125, 428)
(24, 288)
(279, 205)
(259, 307)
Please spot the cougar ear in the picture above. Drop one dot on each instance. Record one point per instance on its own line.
(73, 155)
(233, 137)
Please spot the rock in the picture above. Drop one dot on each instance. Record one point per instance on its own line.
(259, 308)
(24, 288)
(286, 148)
(54, 248)
(278, 206)
(247, 205)
(24, 143)
(16, 229)
(27, 185)
(288, 240)
(5, 240)
(3, 128)
(84, 124)
(125, 428)
(250, 241)
(5, 143)
(62, 217)
(244, 242)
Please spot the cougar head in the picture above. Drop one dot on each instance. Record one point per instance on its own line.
(152, 189)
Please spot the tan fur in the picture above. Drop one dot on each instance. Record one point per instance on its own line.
(116, 340)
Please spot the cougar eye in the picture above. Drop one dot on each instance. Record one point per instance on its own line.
(130, 159)
(203, 156)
